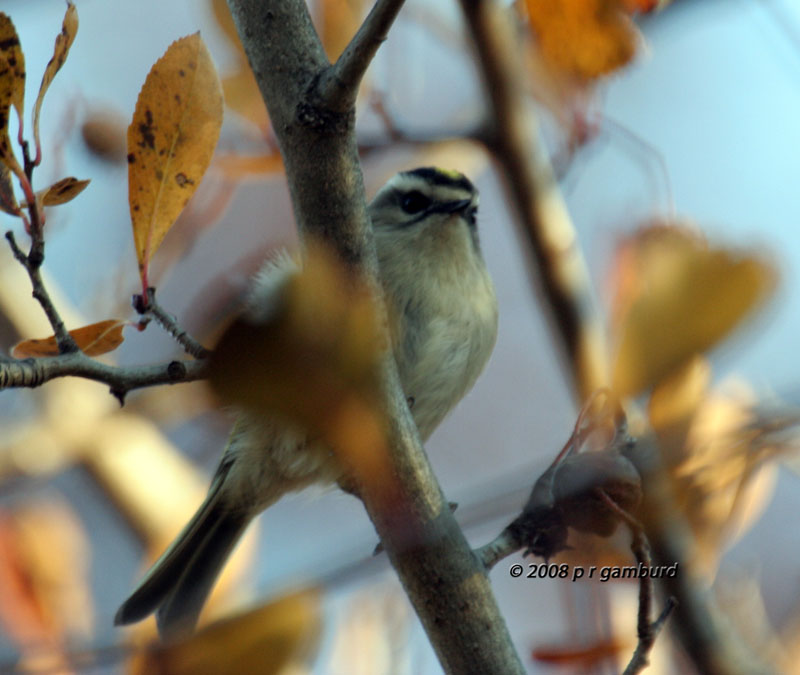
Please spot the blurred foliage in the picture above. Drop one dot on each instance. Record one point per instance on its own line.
(262, 641)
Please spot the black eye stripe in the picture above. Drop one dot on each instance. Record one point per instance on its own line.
(414, 202)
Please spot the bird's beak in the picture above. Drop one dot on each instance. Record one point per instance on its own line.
(453, 207)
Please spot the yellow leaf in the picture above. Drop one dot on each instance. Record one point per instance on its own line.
(171, 140)
(237, 167)
(62, 191)
(677, 297)
(582, 39)
(262, 641)
(7, 94)
(340, 20)
(93, 340)
(11, 50)
(69, 28)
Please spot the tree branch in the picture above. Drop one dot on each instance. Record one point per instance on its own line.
(121, 380)
(338, 86)
(442, 577)
(529, 177)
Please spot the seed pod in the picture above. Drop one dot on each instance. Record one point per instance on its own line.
(577, 483)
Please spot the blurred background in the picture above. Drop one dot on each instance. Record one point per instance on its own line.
(701, 126)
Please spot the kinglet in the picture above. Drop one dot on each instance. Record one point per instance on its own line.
(444, 324)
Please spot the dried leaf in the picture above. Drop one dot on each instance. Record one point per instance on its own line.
(237, 167)
(8, 200)
(265, 640)
(171, 140)
(8, 83)
(62, 191)
(340, 20)
(582, 39)
(11, 51)
(69, 28)
(104, 133)
(93, 340)
(677, 297)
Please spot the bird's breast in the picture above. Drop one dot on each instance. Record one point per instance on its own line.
(447, 339)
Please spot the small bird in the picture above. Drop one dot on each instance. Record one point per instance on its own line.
(443, 327)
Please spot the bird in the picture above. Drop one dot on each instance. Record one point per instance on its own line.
(443, 325)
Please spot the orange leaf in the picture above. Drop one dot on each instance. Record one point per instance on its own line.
(93, 340)
(11, 50)
(237, 167)
(582, 39)
(69, 29)
(171, 140)
(677, 297)
(62, 191)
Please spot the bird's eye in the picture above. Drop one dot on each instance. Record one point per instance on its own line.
(414, 202)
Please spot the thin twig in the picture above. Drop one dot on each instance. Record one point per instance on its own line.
(170, 324)
(646, 630)
(338, 86)
(32, 263)
(121, 380)
(502, 546)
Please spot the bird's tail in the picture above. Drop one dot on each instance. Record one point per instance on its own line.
(177, 585)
